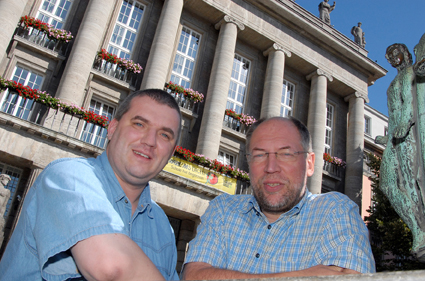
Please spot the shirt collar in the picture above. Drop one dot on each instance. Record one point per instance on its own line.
(117, 191)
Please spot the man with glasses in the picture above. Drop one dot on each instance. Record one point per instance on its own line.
(282, 230)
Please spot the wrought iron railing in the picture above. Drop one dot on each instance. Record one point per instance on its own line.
(333, 169)
(185, 102)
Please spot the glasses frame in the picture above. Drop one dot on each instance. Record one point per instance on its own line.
(250, 157)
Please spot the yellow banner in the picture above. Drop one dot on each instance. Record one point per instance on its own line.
(202, 175)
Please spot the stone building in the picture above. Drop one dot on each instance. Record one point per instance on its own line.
(257, 57)
(376, 124)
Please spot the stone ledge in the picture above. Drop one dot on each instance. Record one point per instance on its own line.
(416, 275)
(48, 134)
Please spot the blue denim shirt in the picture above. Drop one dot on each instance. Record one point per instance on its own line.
(72, 200)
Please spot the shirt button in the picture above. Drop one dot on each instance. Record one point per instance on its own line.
(269, 226)
(126, 201)
(257, 255)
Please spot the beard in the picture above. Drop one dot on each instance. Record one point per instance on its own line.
(289, 196)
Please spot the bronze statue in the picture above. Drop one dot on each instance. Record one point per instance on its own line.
(402, 168)
(325, 9)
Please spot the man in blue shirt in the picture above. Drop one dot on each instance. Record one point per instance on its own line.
(283, 230)
(94, 218)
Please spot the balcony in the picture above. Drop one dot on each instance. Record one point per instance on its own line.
(58, 120)
(234, 124)
(333, 169)
(115, 71)
(41, 39)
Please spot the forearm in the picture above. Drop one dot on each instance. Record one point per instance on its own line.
(113, 257)
(204, 271)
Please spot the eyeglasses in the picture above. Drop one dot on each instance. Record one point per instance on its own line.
(282, 156)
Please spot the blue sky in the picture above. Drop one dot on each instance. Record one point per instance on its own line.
(384, 22)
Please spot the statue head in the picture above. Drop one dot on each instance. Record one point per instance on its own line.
(4, 179)
(419, 52)
(398, 56)
(359, 24)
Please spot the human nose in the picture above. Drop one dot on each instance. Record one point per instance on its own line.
(149, 138)
(272, 165)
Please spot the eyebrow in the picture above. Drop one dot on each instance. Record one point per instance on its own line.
(167, 129)
(262, 149)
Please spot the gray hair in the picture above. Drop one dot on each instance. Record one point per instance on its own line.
(302, 129)
(158, 95)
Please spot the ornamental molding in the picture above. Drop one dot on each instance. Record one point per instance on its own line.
(229, 19)
(319, 72)
(275, 48)
(356, 94)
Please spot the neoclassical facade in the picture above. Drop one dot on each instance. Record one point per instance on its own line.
(260, 58)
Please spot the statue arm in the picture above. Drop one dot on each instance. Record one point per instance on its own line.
(381, 140)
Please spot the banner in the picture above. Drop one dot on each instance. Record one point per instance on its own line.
(202, 175)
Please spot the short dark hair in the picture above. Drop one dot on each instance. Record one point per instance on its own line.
(302, 129)
(158, 95)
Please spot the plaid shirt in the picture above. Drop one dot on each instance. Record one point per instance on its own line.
(321, 229)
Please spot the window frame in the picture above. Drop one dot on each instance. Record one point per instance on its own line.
(52, 15)
(368, 125)
(179, 78)
(119, 49)
(283, 106)
(94, 134)
(329, 129)
(238, 84)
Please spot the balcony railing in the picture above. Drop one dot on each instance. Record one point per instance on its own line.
(71, 125)
(40, 38)
(115, 71)
(234, 124)
(185, 102)
(333, 169)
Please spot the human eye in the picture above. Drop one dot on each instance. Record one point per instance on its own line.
(285, 155)
(258, 156)
(166, 136)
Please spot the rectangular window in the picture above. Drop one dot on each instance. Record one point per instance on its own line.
(385, 131)
(126, 28)
(15, 104)
(367, 125)
(15, 175)
(329, 127)
(287, 99)
(226, 158)
(238, 84)
(185, 60)
(54, 12)
(95, 134)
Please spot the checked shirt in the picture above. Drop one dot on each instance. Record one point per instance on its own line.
(321, 229)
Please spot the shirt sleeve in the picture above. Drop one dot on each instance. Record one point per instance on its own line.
(209, 244)
(345, 240)
(70, 205)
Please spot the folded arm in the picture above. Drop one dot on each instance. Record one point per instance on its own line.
(205, 271)
(113, 257)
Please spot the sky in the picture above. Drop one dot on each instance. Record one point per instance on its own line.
(384, 22)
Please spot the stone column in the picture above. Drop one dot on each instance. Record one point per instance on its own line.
(273, 85)
(218, 88)
(10, 13)
(161, 52)
(87, 43)
(355, 146)
(316, 124)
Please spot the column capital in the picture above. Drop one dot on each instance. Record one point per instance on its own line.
(319, 72)
(357, 95)
(276, 47)
(227, 19)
